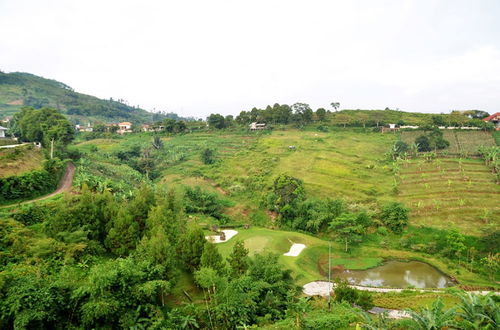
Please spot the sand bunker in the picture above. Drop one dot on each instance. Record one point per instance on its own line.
(295, 250)
(216, 238)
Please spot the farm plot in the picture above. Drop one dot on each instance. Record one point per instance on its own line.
(461, 142)
(445, 193)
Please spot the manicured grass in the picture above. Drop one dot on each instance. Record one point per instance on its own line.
(356, 263)
(16, 161)
(450, 192)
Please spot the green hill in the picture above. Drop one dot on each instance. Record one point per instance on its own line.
(18, 89)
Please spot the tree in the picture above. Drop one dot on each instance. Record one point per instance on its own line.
(423, 143)
(123, 234)
(335, 105)
(211, 258)
(287, 191)
(395, 216)
(363, 118)
(191, 247)
(455, 244)
(216, 121)
(302, 113)
(321, 114)
(46, 125)
(350, 227)
(238, 259)
(342, 119)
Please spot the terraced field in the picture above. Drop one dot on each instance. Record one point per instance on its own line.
(461, 142)
(450, 192)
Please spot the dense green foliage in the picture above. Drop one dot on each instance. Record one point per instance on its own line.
(33, 183)
(123, 251)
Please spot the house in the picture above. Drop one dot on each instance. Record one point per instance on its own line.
(124, 127)
(495, 119)
(256, 126)
(2, 131)
(87, 128)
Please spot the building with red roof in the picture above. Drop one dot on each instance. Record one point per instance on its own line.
(495, 119)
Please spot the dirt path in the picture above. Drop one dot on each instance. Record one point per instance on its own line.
(322, 288)
(64, 186)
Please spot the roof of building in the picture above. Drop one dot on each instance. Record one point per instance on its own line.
(125, 123)
(495, 115)
(3, 128)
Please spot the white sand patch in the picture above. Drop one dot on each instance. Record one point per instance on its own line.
(295, 250)
(216, 238)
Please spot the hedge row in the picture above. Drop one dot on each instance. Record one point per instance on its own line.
(32, 184)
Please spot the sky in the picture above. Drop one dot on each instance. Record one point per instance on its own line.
(200, 57)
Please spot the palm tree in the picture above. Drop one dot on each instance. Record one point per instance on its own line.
(478, 312)
(335, 105)
(433, 318)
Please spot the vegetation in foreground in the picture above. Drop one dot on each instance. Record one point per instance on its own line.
(125, 251)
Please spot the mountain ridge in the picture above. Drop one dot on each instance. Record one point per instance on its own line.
(19, 89)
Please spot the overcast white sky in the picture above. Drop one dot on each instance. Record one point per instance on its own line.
(200, 57)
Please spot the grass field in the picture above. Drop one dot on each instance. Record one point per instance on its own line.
(450, 192)
(15, 161)
(312, 263)
(461, 142)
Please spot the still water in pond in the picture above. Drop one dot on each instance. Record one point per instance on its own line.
(397, 274)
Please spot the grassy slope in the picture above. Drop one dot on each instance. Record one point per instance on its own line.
(18, 89)
(19, 160)
(450, 192)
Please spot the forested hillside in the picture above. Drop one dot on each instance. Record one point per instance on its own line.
(18, 89)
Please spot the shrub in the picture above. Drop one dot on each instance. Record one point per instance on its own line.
(423, 143)
(30, 215)
(208, 156)
(395, 216)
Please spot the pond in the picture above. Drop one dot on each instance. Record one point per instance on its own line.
(397, 274)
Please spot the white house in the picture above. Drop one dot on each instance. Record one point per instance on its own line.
(256, 126)
(2, 131)
(125, 127)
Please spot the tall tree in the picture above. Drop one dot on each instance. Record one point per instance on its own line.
(238, 259)
(211, 258)
(191, 246)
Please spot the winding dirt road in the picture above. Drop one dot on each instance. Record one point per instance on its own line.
(64, 186)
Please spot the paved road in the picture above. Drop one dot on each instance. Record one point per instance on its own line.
(64, 186)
